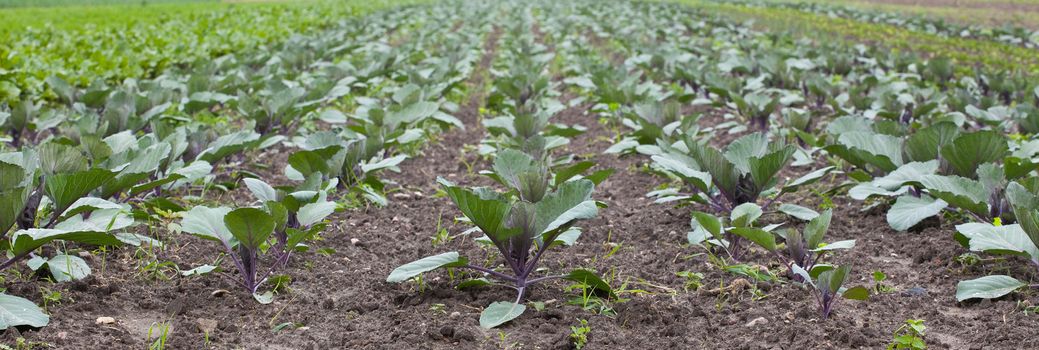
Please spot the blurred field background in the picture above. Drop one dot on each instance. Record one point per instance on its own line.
(53, 3)
(996, 13)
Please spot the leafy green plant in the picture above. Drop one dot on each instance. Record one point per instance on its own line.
(579, 335)
(740, 174)
(1021, 239)
(804, 250)
(829, 287)
(934, 168)
(878, 283)
(693, 280)
(158, 334)
(728, 234)
(909, 336)
(278, 228)
(590, 297)
(522, 224)
(757, 107)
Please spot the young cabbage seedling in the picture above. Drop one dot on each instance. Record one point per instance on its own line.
(277, 228)
(828, 285)
(802, 249)
(933, 169)
(522, 224)
(740, 174)
(740, 225)
(756, 107)
(64, 177)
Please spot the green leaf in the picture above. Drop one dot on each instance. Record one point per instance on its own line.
(879, 150)
(958, 191)
(909, 211)
(1006, 239)
(988, 287)
(591, 279)
(816, 229)
(510, 163)
(723, 173)
(800, 271)
(86, 204)
(807, 179)
(763, 170)
(487, 212)
(308, 162)
(742, 150)
(1024, 204)
(744, 214)
(65, 268)
(700, 180)
(385, 163)
(599, 176)
(208, 223)
(760, 237)
(11, 204)
(64, 189)
(971, 150)
(278, 213)
(143, 165)
(709, 222)
(412, 113)
(568, 238)
(906, 174)
(102, 220)
(500, 312)
(925, 144)
(251, 226)
(264, 298)
(261, 190)
(429, 263)
(832, 280)
(227, 145)
(568, 203)
(16, 311)
(24, 241)
(567, 173)
(818, 269)
(313, 213)
(839, 245)
(201, 270)
(798, 211)
(58, 158)
(856, 293)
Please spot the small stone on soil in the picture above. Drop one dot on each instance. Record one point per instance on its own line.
(757, 321)
(206, 326)
(356, 242)
(105, 320)
(914, 292)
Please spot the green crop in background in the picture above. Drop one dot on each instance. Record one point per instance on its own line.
(52, 3)
(82, 44)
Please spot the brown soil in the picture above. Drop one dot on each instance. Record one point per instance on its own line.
(1009, 6)
(342, 300)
